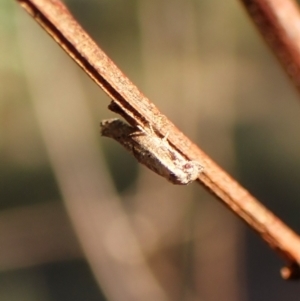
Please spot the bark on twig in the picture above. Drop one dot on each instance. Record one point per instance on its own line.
(128, 101)
(279, 23)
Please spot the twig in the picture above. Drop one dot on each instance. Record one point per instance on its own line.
(279, 23)
(128, 101)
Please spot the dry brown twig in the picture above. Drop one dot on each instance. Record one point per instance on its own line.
(279, 23)
(129, 102)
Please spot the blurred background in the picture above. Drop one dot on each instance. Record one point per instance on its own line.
(80, 219)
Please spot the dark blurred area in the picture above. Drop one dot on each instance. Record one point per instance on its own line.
(80, 219)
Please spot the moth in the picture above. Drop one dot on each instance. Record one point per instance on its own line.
(152, 151)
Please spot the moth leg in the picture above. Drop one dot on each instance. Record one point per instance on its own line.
(146, 130)
(151, 129)
(142, 130)
(166, 137)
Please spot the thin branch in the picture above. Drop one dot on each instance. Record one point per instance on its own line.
(128, 101)
(279, 23)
